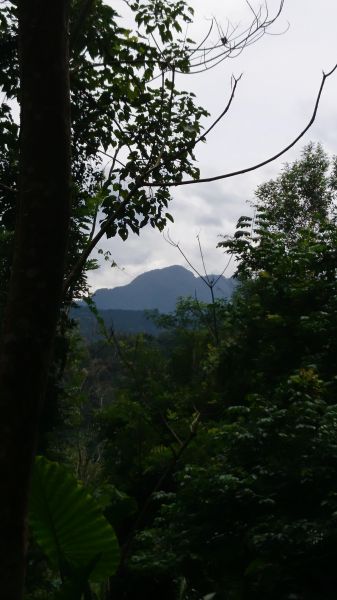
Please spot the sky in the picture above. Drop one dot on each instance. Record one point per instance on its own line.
(273, 103)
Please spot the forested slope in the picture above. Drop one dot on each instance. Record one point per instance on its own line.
(212, 446)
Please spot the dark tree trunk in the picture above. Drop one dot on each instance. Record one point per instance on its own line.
(38, 267)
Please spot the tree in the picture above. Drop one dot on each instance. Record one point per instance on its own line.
(287, 265)
(43, 214)
(243, 505)
(159, 129)
(140, 418)
(38, 264)
(254, 516)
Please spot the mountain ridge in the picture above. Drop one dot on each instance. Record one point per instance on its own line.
(160, 289)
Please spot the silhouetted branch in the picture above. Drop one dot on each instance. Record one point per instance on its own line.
(202, 257)
(79, 266)
(113, 158)
(224, 112)
(258, 165)
(140, 183)
(202, 137)
(177, 245)
(206, 279)
(232, 45)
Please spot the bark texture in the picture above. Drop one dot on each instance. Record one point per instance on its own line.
(38, 266)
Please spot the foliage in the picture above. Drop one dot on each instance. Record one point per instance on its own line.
(251, 512)
(223, 447)
(58, 503)
(126, 128)
(220, 439)
(70, 528)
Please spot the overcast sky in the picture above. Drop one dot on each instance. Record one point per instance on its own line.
(273, 103)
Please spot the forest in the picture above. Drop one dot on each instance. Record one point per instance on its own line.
(200, 462)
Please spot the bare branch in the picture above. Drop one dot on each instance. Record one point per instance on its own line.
(206, 280)
(202, 258)
(232, 45)
(224, 112)
(211, 283)
(113, 158)
(113, 162)
(223, 271)
(177, 245)
(77, 269)
(204, 40)
(255, 27)
(258, 165)
(202, 137)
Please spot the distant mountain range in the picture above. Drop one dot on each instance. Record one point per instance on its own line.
(123, 308)
(160, 289)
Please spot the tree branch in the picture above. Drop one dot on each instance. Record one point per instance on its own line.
(74, 274)
(258, 165)
(203, 135)
(232, 45)
(224, 112)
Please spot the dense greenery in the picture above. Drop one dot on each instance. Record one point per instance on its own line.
(210, 449)
(126, 127)
(69, 527)
(214, 454)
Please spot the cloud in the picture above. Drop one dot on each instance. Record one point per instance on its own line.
(274, 101)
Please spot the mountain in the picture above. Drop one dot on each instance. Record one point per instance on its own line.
(123, 308)
(160, 289)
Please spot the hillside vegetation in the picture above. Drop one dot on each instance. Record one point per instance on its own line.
(211, 447)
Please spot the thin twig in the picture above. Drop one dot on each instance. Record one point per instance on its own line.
(177, 245)
(202, 258)
(113, 158)
(203, 136)
(74, 274)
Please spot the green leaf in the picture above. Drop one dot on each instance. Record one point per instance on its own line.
(68, 524)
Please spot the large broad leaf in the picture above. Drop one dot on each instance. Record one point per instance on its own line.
(68, 524)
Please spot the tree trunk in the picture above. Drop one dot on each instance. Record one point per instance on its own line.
(38, 266)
